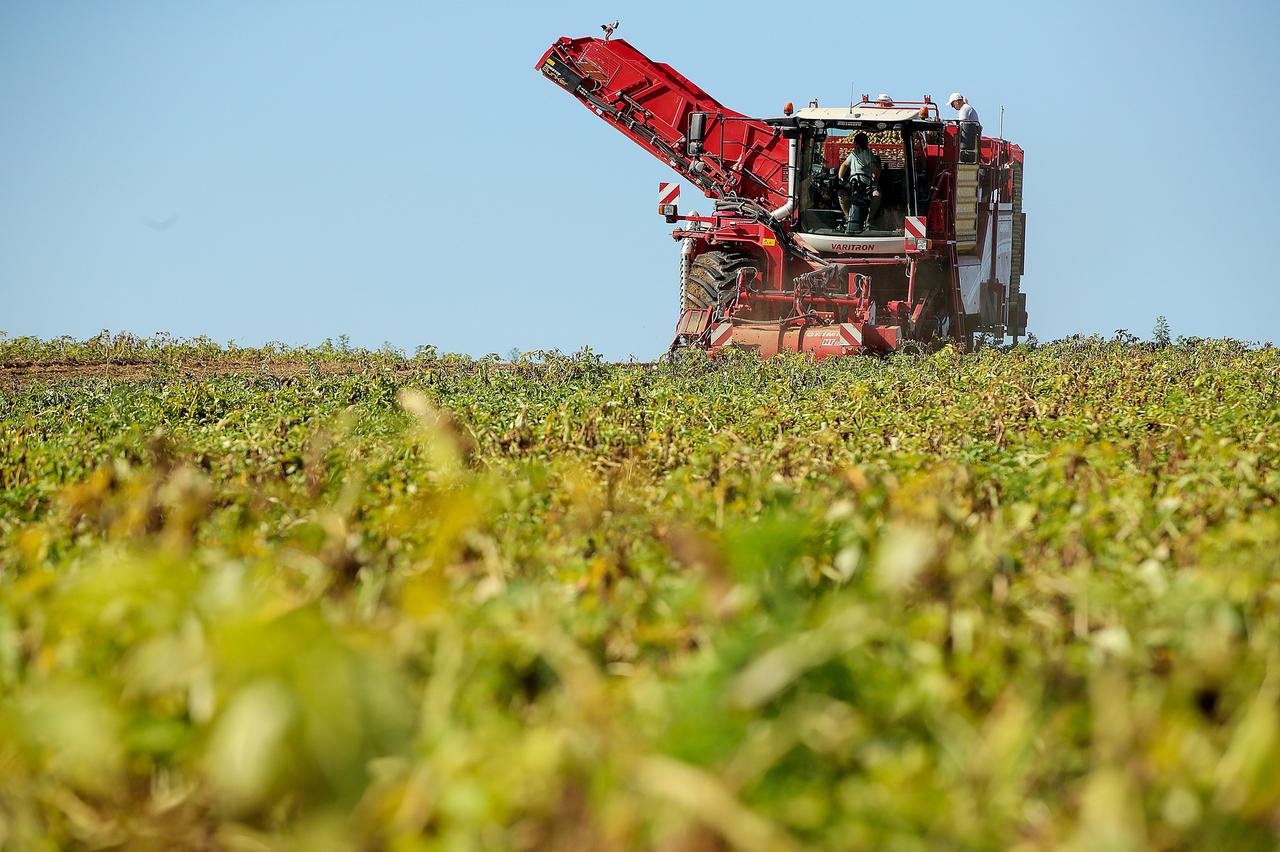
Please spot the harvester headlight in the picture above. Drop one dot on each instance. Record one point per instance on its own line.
(922, 244)
(667, 209)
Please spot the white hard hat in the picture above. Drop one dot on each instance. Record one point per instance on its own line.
(955, 96)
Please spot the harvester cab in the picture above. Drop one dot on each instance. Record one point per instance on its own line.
(921, 242)
(895, 137)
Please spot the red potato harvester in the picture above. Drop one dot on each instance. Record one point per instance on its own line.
(793, 257)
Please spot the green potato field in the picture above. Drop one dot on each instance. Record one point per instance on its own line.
(274, 599)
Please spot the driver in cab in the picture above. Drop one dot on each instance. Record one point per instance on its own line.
(860, 171)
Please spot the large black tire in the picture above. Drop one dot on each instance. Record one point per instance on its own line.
(711, 278)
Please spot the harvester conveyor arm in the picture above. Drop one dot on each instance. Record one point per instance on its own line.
(650, 103)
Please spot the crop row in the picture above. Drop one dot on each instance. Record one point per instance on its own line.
(1023, 598)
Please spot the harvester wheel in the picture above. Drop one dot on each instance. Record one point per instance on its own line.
(712, 276)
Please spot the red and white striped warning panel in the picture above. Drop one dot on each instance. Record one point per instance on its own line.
(668, 193)
(721, 333)
(915, 227)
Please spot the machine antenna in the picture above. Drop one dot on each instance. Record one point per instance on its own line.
(851, 96)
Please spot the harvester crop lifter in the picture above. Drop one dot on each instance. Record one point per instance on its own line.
(783, 262)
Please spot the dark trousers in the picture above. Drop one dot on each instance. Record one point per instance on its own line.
(970, 133)
(862, 209)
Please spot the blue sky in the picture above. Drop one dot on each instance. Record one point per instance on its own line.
(398, 172)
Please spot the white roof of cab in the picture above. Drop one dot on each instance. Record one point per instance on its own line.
(859, 113)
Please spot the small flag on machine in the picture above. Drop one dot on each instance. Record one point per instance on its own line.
(668, 196)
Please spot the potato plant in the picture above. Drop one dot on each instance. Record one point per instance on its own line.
(1024, 599)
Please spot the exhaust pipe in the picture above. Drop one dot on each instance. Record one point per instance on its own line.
(785, 210)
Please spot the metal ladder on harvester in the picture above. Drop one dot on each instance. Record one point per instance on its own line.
(966, 232)
(967, 192)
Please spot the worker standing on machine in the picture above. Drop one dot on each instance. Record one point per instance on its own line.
(860, 172)
(964, 110)
(970, 127)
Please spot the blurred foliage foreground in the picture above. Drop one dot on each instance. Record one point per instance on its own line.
(1014, 599)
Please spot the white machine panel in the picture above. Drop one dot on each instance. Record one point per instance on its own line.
(974, 269)
(832, 244)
